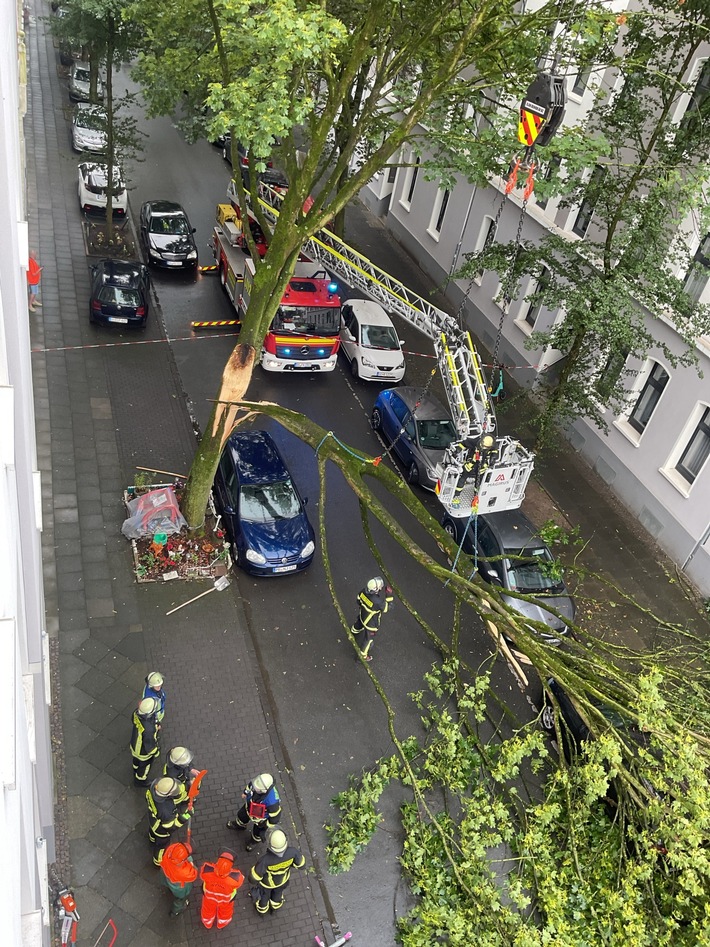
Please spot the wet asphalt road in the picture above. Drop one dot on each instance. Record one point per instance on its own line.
(329, 719)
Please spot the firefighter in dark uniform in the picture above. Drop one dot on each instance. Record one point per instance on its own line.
(154, 688)
(270, 875)
(262, 808)
(167, 811)
(144, 738)
(178, 765)
(474, 461)
(373, 602)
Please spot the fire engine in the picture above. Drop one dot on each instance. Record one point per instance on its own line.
(305, 333)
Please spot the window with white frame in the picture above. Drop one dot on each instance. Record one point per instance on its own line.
(591, 196)
(696, 452)
(607, 379)
(533, 310)
(410, 182)
(581, 81)
(486, 236)
(441, 202)
(698, 274)
(693, 115)
(550, 170)
(648, 398)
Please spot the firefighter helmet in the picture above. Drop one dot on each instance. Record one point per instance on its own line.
(263, 783)
(180, 756)
(155, 679)
(180, 852)
(487, 442)
(277, 841)
(166, 787)
(376, 584)
(148, 706)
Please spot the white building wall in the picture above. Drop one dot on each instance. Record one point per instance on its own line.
(26, 787)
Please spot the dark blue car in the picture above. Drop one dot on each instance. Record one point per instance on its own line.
(261, 507)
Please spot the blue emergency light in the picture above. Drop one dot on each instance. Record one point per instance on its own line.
(332, 287)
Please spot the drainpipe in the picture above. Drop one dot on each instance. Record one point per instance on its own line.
(703, 539)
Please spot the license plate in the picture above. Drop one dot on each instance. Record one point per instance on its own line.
(173, 263)
(285, 568)
(121, 319)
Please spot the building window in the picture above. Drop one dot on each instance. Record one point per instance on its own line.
(698, 274)
(439, 212)
(410, 181)
(535, 304)
(700, 99)
(608, 377)
(486, 237)
(591, 196)
(581, 81)
(413, 180)
(391, 174)
(697, 450)
(551, 169)
(648, 398)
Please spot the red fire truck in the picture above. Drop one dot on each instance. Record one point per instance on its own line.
(304, 335)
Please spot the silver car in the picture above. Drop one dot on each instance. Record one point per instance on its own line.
(418, 427)
(80, 83)
(88, 128)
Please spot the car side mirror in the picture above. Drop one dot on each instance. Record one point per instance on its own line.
(305, 501)
(194, 230)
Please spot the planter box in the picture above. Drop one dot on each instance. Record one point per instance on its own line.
(191, 559)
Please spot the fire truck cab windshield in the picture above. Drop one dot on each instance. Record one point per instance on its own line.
(307, 320)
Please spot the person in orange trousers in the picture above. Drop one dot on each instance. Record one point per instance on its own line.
(220, 883)
(179, 872)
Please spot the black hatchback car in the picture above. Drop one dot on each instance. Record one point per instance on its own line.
(166, 236)
(120, 293)
(262, 509)
(512, 556)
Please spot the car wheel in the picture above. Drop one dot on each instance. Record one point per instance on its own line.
(223, 276)
(225, 155)
(450, 529)
(413, 473)
(354, 369)
(376, 420)
(547, 718)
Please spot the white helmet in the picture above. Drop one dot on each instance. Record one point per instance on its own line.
(166, 787)
(148, 706)
(277, 841)
(154, 679)
(376, 584)
(180, 756)
(263, 783)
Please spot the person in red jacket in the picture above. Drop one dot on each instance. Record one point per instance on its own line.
(220, 883)
(179, 872)
(34, 271)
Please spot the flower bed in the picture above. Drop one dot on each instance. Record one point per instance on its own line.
(190, 554)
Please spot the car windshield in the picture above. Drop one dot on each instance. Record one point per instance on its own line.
(268, 502)
(82, 75)
(380, 337)
(86, 118)
(531, 573)
(436, 434)
(115, 296)
(305, 320)
(169, 225)
(96, 181)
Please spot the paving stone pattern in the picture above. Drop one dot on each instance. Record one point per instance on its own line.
(101, 411)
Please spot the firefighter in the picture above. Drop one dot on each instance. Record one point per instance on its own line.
(167, 811)
(154, 688)
(474, 463)
(373, 601)
(178, 765)
(220, 883)
(144, 739)
(261, 808)
(271, 873)
(179, 872)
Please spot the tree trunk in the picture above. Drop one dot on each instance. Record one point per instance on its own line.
(551, 410)
(110, 156)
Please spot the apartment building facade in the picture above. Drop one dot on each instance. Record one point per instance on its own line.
(655, 455)
(26, 770)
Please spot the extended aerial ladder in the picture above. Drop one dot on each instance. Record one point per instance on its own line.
(480, 471)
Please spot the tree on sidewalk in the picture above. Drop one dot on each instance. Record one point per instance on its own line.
(613, 284)
(357, 79)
